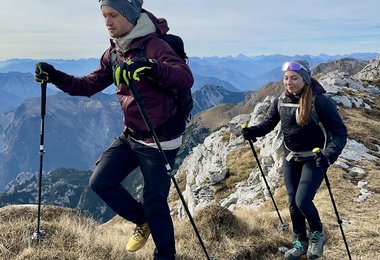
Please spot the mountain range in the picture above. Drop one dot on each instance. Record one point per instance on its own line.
(236, 74)
(77, 130)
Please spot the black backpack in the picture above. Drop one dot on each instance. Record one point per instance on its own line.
(182, 98)
(177, 45)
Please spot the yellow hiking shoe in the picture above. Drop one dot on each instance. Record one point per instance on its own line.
(139, 238)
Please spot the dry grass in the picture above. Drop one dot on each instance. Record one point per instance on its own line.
(216, 117)
(180, 178)
(244, 234)
(240, 163)
(68, 236)
(363, 125)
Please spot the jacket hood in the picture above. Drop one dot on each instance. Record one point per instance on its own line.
(160, 23)
(316, 87)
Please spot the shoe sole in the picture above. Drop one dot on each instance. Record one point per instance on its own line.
(131, 251)
(302, 257)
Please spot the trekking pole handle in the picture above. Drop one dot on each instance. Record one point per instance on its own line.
(317, 151)
(43, 98)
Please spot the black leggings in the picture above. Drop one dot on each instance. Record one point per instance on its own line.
(302, 180)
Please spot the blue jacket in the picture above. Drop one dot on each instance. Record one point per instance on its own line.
(304, 138)
(171, 72)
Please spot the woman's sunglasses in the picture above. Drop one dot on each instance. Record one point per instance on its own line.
(293, 66)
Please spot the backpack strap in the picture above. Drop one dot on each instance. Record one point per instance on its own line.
(173, 94)
(113, 61)
(314, 116)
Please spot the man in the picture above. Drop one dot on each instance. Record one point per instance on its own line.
(149, 62)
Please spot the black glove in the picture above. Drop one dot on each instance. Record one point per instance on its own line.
(132, 70)
(46, 72)
(322, 161)
(248, 134)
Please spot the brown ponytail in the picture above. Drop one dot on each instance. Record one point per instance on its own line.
(303, 117)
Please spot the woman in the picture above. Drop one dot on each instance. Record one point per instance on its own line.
(303, 171)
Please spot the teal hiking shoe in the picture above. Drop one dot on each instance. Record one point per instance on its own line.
(299, 249)
(317, 241)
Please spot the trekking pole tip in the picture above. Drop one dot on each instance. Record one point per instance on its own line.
(283, 226)
(38, 235)
(283, 249)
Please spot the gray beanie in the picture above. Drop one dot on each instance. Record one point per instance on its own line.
(130, 9)
(304, 71)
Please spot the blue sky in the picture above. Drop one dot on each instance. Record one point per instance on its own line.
(73, 29)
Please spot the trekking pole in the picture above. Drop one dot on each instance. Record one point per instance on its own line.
(282, 225)
(149, 125)
(39, 234)
(317, 151)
